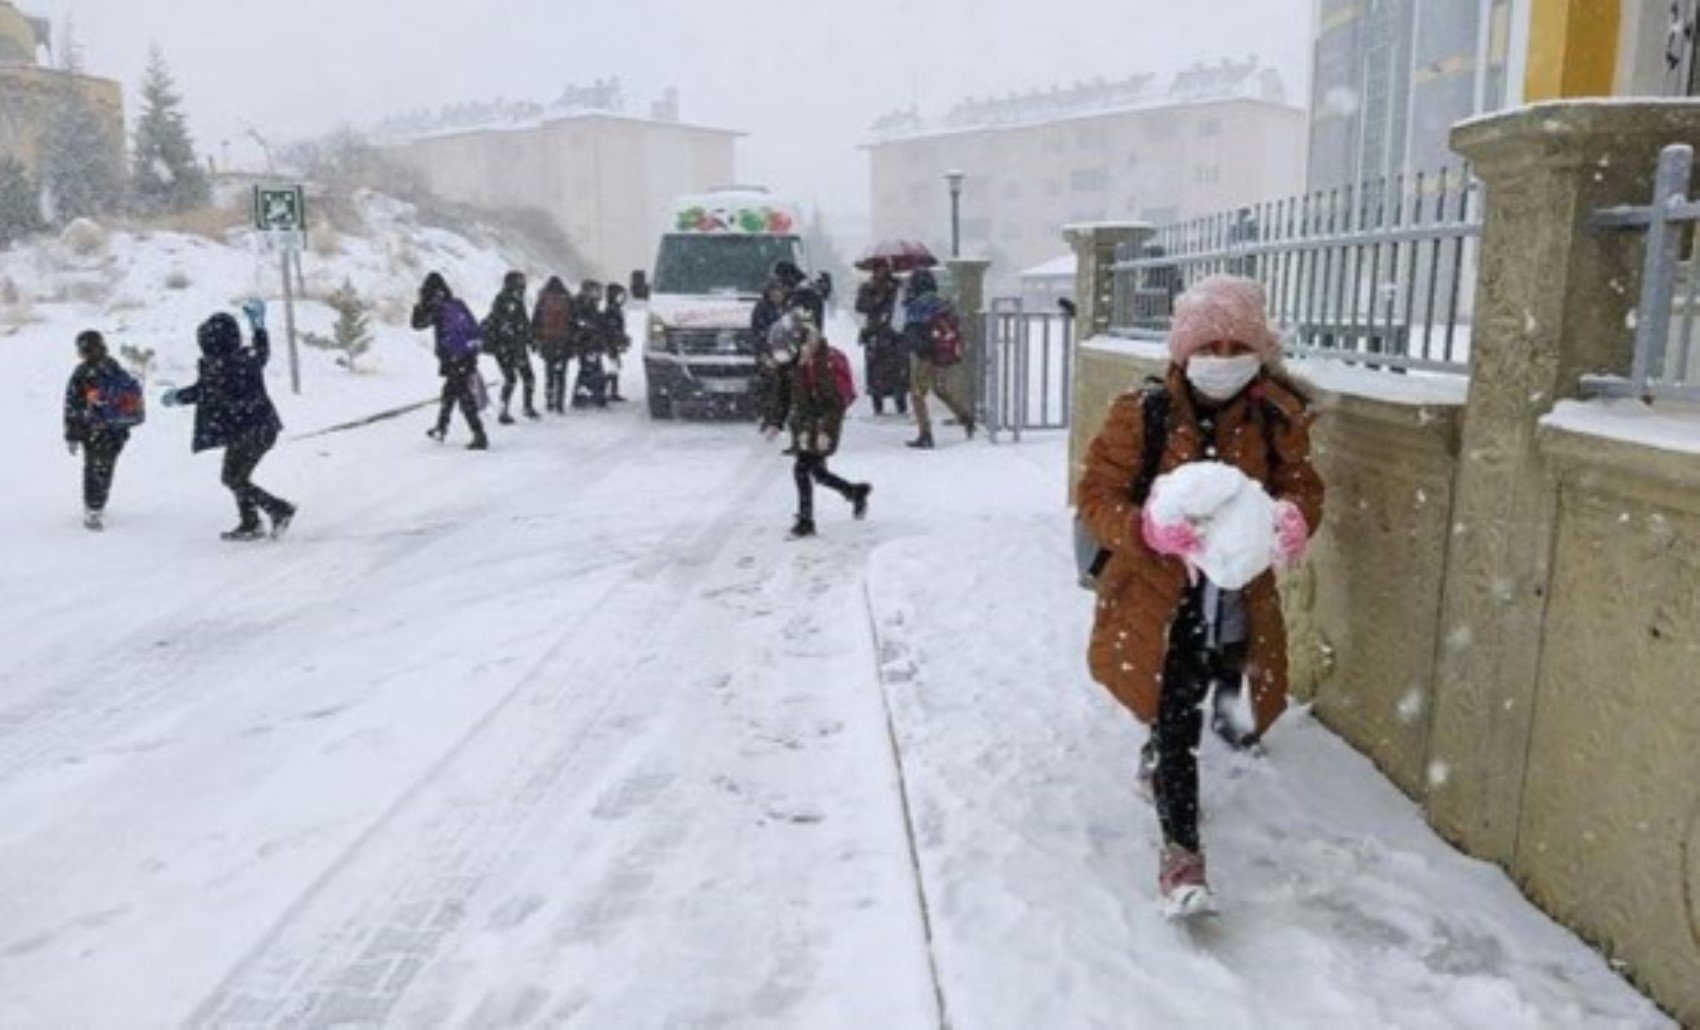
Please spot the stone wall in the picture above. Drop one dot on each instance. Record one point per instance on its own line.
(1609, 831)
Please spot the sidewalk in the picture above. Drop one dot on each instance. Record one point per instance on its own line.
(1340, 906)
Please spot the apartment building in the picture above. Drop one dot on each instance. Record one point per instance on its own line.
(604, 175)
(1143, 148)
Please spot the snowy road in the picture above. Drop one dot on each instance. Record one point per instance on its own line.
(568, 733)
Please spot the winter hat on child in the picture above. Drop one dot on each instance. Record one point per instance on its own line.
(1221, 307)
(91, 345)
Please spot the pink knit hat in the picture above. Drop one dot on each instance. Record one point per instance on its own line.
(1221, 307)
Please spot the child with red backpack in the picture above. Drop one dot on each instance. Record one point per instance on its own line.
(932, 334)
(102, 404)
(821, 391)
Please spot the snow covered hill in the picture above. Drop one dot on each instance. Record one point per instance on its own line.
(150, 289)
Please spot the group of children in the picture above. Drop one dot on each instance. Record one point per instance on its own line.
(1165, 638)
(589, 327)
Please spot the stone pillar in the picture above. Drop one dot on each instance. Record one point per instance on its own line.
(1094, 283)
(1094, 300)
(1553, 299)
(968, 289)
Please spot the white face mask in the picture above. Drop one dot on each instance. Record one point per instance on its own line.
(1221, 379)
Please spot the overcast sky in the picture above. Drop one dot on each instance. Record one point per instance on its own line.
(803, 85)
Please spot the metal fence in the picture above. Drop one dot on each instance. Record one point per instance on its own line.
(1382, 274)
(1026, 370)
(1667, 363)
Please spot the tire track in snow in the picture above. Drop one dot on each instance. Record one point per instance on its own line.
(354, 940)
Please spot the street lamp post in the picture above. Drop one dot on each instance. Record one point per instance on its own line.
(954, 179)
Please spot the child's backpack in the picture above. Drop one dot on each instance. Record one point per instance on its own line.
(460, 330)
(115, 399)
(946, 333)
(842, 380)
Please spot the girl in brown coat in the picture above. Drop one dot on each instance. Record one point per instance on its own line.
(1164, 636)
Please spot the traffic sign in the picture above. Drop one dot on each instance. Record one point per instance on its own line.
(280, 209)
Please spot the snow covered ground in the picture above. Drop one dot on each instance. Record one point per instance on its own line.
(568, 733)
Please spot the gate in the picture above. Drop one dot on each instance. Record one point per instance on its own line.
(1027, 365)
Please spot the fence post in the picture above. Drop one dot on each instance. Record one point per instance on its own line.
(968, 276)
(1094, 282)
(1553, 299)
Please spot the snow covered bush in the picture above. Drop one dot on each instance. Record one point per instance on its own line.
(84, 237)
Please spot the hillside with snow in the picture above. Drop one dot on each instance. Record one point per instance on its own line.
(151, 288)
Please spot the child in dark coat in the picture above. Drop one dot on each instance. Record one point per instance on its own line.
(234, 411)
(91, 428)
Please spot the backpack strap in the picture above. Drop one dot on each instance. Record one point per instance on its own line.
(1154, 409)
(1154, 405)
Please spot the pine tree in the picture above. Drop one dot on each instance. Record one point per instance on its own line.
(20, 202)
(351, 336)
(165, 174)
(81, 171)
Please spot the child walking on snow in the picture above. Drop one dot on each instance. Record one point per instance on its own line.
(813, 397)
(1164, 638)
(102, 403)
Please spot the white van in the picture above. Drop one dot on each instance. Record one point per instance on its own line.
(716, 253)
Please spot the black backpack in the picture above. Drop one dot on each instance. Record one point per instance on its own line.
(1090, 556)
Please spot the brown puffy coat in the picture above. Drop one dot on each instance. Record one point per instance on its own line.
(1140, 591)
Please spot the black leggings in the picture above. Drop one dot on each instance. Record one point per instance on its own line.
(457, 388)
(811, 469)
(241, 458)
(1189, 671)
(516, 368)
(100, 461)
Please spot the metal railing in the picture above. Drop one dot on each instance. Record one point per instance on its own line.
(1667, 363)
(1381, 274)
(1027, 370)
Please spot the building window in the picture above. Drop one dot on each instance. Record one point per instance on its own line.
(1054, 187)
(1088, 180)
(1012, 191)
(1133, 159)
(1055, 143)
(1206, 174)
(1163, 127)
(1210, 127)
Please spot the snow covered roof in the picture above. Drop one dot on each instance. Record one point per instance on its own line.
(1224, 81)
(601, 100)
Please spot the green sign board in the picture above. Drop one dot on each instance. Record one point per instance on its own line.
(280, 209)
